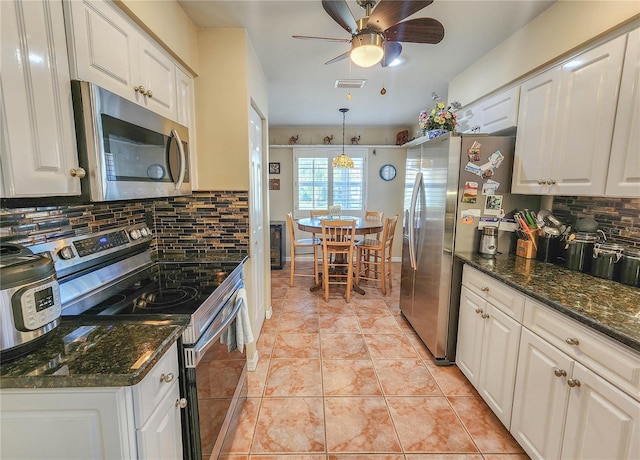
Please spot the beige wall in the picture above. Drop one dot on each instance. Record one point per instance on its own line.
(170, 24)
(561, 28)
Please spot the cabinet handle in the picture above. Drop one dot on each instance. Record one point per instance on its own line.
(484, 289)
(573, 383)
(149, 94)
(478, 310)
(139, 89)
(572, 341)
(78, 172)
(560, 373)
(485, 315)
(181, 403)
(167, 378)
(541, 182)
(551, 182)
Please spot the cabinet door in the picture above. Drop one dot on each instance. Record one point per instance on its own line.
(468, 120)
(536, 127)
(470, 332)
(158, 76)
(161, 437)
(39, 143)
(499, 112)
(499, 361)
(540, 397)
(588, 95)
(624, 164)
(105, 47)
(602, 421)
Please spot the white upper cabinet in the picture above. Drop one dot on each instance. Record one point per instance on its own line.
(499, 112)
(468, 120)
(110, 51)
(624, 165)
(565, 124)
(38, 148)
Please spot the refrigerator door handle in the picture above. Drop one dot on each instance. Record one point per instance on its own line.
(412, 212)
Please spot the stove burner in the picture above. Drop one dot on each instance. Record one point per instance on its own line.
(166, 297)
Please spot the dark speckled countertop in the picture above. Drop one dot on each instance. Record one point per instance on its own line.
(95, 352)
(607, 306)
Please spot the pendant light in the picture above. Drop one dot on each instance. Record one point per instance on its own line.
(343, 160)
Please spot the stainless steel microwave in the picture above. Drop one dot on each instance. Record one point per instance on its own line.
(126, 150)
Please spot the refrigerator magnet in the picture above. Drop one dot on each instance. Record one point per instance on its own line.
(474, 151)
(470, 192)
(490, 187)
(493, 205)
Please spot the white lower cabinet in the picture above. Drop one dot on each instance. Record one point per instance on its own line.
(96, 423)
(487, 351)
(562, 389)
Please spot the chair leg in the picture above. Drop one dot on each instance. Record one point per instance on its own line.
(315, 264)
(292, 266)
(358, 264)
(349, 279)
(325, 278)
(383, 271)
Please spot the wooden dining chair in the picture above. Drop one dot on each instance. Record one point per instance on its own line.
(337, 254)
(373, 258)
(296, 245)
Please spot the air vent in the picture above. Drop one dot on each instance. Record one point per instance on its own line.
(357, 83)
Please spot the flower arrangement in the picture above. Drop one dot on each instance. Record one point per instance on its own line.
(440, 117)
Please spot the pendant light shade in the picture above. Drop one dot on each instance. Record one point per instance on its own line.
(367, 50)
(343, 160)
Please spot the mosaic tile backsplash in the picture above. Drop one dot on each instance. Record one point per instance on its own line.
(190, 226)
(619, 218)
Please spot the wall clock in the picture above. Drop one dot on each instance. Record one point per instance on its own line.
(388, 172)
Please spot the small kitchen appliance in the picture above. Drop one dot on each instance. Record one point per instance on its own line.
(112, 274)
(30, 302)
(489, 242)
(127, 151)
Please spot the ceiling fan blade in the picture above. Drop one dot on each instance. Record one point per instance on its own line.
(422, 30)
(339, 58)
(340, 12)
(307, 37)
(391, 51)
(388, 13)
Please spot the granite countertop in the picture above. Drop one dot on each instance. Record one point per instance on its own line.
(95, 352)
(607, 306)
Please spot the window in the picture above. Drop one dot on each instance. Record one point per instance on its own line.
(318, 185)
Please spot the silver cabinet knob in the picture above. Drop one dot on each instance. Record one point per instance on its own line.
(478, 310)
(573, 383)
(572, 341)
(167, 378)
(484, 289)
(560, 373)
(149, 93)
(181, 403)
(77, 172)
(551, 182)
(541, 182)
(485, 315)
(139, 89)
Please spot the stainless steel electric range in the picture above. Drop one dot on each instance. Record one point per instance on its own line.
(112, 273)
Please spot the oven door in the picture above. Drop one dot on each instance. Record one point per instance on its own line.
(215, 386)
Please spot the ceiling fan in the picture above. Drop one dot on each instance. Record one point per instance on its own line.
(375, 37)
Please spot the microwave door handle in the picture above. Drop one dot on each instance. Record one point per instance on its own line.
(183, 159)
(211, 335)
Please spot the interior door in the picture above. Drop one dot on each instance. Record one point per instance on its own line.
(256, 209)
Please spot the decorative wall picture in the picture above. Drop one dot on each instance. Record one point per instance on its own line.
(493, 205)
(274, 168)
(274, 184)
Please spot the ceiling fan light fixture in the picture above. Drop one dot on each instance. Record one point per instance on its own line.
(367, 49)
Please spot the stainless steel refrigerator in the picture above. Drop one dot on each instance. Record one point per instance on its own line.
(447, 182)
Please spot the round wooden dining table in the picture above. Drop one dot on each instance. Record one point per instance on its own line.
(363, 227)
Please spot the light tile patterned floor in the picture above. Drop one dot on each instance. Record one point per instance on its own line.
(352, 381)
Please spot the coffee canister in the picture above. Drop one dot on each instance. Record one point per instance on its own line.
(579, 251)
(607, 260)
(549, 245)
(630, 272)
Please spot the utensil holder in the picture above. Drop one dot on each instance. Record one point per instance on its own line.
(525, 249)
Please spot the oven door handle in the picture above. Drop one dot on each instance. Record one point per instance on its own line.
(207, 339)
(183, 159)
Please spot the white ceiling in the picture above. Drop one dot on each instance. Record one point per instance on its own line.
(301, 87)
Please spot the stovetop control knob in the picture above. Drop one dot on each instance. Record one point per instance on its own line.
(135, 234)
(144, 231)
(65, 253)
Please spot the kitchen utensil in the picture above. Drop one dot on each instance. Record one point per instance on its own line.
(630, 272)
(607, 260)
(587, 225)
(489, 242)
(579, 251)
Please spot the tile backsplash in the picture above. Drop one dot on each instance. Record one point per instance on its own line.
(192, 225)
(619, 218)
